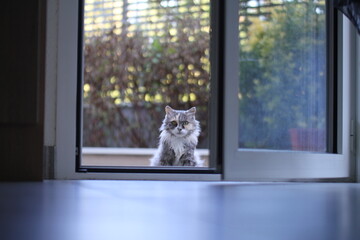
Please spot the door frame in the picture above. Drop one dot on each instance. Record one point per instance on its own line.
(66, 57)
(61, 75)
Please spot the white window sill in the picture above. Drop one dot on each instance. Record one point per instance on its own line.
(94, 156)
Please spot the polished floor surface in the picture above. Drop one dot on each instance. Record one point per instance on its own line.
(122, 210)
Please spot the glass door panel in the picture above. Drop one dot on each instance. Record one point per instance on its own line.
(282, 79)
(140, 56)
(289, 115)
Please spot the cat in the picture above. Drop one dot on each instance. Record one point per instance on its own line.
(179, 134)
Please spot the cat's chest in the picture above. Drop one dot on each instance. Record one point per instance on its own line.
(178, 146)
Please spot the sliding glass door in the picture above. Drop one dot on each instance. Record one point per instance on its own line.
(287, 104)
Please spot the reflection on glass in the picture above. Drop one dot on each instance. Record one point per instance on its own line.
(139, 56)
(282, 87)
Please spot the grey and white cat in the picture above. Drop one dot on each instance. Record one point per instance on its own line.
(178, 139)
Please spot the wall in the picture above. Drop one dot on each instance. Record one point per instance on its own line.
(22, 89)
(357, 64)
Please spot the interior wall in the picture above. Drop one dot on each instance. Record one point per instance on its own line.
(51, 72)
(51, 67)
(22, 62)
(357, 64)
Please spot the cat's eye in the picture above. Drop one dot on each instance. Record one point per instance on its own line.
(185, 123)
(173, 123)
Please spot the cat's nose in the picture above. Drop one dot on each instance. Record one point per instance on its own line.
(179, 129)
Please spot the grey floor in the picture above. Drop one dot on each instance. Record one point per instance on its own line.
(158, 210)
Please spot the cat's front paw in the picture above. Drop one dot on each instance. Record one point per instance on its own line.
(187, 163)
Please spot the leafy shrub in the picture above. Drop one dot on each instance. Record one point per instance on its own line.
(283, 77)
(130, 78)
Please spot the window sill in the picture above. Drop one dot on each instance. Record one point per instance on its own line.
(124, 157)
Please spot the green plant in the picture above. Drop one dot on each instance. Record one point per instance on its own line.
(282, 74)
(129, 79)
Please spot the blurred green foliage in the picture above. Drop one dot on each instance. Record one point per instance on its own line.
(283, 74)
(129, 78)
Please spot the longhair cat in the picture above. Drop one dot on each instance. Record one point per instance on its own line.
(178, 139)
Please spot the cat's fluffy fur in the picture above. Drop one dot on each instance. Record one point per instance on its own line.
(178, 139)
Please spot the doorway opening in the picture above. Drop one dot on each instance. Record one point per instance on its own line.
(136, 58)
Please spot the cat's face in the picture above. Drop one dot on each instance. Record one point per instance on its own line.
(180, 123)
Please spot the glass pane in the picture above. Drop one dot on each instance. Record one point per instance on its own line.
(139, 56)
(282, 86)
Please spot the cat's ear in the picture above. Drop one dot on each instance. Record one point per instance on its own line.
(168, 110)
(191, 111)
